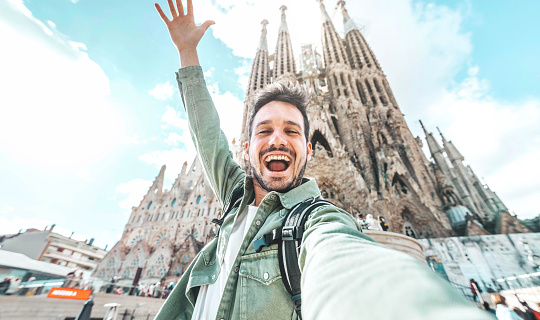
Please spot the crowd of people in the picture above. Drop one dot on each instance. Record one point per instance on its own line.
(370, 223)
(155, 290)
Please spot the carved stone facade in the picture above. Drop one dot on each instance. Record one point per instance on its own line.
(365, 160)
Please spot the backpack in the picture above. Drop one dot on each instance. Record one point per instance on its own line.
(289, 238)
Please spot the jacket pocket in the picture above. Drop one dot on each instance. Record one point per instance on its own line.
(262, 294)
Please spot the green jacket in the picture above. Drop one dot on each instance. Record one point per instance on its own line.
(345, 274)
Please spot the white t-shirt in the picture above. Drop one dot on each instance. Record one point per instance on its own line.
(209, 296)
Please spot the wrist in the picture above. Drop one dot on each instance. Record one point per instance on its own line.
(188, 57)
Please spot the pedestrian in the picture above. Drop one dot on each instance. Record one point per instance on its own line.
(475, 289)
(231, 278)
(372, 223)
(501, 309)
(529, 312)
(383, 223)
(14, 286)
(4, 285)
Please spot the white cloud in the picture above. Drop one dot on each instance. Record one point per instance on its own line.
(177, 131)
(174, 139)
(243, 73)
(132, 193)
(208, 73)
(162, 91)
(229, 109)
(172, 117)
(56, 115)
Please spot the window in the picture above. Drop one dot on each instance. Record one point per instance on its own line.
(198, 199)
(186, 258)
(173, 202)
(157, 217)
(149, 205)
(162, 272)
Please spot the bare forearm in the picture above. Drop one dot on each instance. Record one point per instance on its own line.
(189, 57)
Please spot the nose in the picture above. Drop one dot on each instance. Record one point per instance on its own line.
(278, 139)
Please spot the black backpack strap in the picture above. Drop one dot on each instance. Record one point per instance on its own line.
(289, 249)
(236, 199)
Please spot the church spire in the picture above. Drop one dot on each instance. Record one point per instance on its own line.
(283, 25)
(324, 15)
(333, 47)
(284, 63)
(450, 149)
(436, 151)
(348, 23)
(262, 42)
(260, 71)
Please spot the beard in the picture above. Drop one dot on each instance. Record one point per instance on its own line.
(276, 185)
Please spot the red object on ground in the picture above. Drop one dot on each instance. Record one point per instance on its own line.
(69, 293)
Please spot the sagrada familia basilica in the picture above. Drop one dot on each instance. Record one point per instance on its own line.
(366, 160)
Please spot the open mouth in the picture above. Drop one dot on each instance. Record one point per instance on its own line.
(277, 163)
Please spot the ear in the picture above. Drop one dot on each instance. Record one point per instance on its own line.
(246, 151)
(309, 151)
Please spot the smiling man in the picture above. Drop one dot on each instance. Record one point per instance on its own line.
(278, 149)
(231, 278)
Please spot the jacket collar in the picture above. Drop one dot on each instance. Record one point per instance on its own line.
(308, 189)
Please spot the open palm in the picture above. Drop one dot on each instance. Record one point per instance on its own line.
(185, 34)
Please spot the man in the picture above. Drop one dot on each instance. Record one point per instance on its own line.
(230, 280)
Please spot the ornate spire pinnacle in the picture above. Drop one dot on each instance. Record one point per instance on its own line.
(324, 15)
(283, 26)
(451, 150)
(444, 140)
(348, 23)
(262, 43)
(423, 128)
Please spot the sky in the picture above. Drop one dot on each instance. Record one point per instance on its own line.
(89, 109)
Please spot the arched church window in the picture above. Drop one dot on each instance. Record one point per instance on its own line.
(319, 139)
(198, 199)
(173, 202)
(408, 230)
(368, 86)
(149, 205)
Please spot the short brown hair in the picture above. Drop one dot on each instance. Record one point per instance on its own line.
(498, 299)
(288, 92)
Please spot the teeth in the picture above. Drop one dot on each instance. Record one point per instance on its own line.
(274, 157)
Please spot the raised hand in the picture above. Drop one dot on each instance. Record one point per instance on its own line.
(185, 34)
